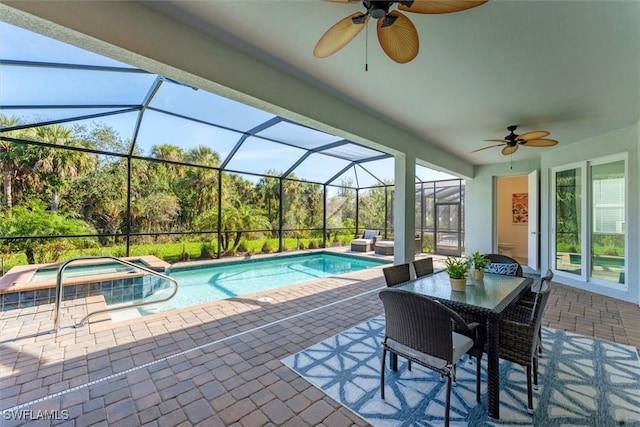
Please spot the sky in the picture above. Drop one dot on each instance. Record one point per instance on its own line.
(99, 91)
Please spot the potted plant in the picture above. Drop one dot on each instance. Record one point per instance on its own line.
(479, 263)
(457, 268)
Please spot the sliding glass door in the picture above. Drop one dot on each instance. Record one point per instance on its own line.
(589, 218)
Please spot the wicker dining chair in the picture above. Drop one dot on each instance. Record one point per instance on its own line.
(520, 339)
(503, 259)
(423, 267)
(528, 298)
(421, 329)
(396, 274)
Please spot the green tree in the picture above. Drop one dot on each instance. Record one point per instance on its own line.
(34, 221)
(102, 195)
(197, 187)
(268, 189)
(235, 220)
(10, 155)
(57, 167)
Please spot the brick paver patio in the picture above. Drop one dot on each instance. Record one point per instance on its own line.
(218, 364)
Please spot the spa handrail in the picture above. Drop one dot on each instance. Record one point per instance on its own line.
(59, 292)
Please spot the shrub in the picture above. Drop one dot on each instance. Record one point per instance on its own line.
(267, 248)
(242, 247)
(207, 250)
(312, 244)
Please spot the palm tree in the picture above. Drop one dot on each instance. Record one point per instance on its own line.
(269, 190)
(202, 182)
(10, 155)
(58, 165)
(239, 219)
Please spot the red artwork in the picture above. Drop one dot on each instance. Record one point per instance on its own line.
(520, 208)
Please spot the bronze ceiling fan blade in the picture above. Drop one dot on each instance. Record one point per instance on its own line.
(532, 135)
(490, 146)
(340, 34)
(509, 150)
(398, 37)
(440, 6)
(540, 143)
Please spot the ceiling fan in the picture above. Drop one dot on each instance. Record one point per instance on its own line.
(397, 35)
(512, 141)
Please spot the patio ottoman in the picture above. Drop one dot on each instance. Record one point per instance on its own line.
(384, 247)
(361, 245)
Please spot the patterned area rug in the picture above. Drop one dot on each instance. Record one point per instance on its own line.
(582, 381)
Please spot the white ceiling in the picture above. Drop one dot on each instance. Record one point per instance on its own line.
(568, 67)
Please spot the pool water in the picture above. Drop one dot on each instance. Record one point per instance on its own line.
(199, 285)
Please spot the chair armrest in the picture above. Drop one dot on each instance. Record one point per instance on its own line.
(519, 314)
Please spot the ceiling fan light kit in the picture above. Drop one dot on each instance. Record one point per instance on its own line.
(397, 35)
(511, 142)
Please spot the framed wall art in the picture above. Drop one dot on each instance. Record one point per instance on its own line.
(520, 208)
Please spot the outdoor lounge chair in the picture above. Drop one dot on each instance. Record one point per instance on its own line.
(366, 242)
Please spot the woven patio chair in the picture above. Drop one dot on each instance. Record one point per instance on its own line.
(423, 267)
(520, 339)
(396, 274)
(422, 330)
(528, 299)
(502, 259)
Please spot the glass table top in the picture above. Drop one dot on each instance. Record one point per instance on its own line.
(487, 293)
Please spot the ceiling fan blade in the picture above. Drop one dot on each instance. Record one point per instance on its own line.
(509, 150)
(532, 135)
(496, 140)
(339, 35)
(439, 6)
(490, 146)
(344, 1)
(398, 37)
(540, 143)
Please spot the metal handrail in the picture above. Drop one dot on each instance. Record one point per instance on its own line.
(59, 293)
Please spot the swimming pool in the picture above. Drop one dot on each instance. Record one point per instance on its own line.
(50, 274)
(213, 282)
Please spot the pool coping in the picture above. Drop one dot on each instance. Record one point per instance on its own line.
(184, 265)
(17, 279)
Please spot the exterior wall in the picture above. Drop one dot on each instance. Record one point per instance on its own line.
(619, 141)
(480, 203)
(481, 196)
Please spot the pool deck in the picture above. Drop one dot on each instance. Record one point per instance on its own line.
(218, 364)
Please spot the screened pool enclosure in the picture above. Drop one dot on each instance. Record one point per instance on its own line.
(99, 157)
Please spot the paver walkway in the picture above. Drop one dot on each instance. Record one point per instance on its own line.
(219, 364)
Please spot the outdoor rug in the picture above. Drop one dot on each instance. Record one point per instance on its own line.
(582, 381)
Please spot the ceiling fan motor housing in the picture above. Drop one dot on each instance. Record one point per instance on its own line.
(377, 9)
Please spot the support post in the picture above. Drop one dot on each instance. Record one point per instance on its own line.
(404, 209)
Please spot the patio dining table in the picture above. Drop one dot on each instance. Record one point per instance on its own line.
(485, 299)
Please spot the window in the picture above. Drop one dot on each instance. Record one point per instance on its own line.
(589, 221)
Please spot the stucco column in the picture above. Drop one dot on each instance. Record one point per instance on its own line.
(404, 212)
